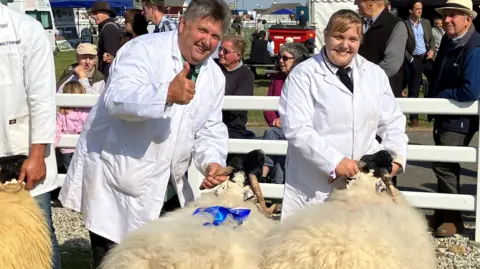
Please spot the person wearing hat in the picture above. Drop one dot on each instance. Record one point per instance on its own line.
(28, 110)
(154, 11)
(456, 77)
(109, 34)
(84, 71)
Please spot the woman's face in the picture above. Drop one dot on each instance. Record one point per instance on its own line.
(286, 61)
(342, 47)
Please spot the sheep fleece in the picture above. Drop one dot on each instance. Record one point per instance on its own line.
(179, 240)
(24, 235)
(355, 235)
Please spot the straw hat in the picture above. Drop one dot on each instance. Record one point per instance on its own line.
(461, 5)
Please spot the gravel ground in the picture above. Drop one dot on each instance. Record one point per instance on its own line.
(458, 252)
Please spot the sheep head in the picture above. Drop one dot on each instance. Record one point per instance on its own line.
(9, 172)
(365, 188)
(250, 167)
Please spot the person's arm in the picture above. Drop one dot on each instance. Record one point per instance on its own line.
(296, 109)
(430, 37)
(133, 93)
(470, 89)
(59, 128)
(270, 116)
(395, 51)
(391, 126)
(111, 39)
(211, 142)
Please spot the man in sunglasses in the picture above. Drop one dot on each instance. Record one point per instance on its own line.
(239, 81)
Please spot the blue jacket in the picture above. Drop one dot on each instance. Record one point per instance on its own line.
(457, 77)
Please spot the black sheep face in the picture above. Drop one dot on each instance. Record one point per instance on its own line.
(10, 167)
(377, 161)
(250, 163)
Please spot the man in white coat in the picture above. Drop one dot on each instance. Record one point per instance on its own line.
(161, 108)
(28, 106)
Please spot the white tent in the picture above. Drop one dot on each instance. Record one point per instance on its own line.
(320, 12)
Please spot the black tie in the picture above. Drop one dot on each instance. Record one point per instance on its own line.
(342, 74)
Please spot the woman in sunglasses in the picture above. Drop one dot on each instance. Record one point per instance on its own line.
(290, 55)
(331, 108)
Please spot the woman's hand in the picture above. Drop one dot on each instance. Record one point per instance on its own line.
(347, 168)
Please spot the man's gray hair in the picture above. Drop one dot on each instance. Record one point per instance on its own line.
(216, 9)
(295, 49)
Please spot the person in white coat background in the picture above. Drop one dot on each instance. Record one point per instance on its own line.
(161, 109)
(331, 108)
(28, 106)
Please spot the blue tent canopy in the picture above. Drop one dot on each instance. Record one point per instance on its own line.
(114, 4)
(284, 11)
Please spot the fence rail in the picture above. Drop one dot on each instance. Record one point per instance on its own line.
(425, 200)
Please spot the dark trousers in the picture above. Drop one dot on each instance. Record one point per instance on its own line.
(417, 67)
(275, 163)
(101, 246)
(448, 174)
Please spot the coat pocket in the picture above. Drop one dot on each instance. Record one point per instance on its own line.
(10, 64)
(128, 175)
(19, 134)
(130, 159)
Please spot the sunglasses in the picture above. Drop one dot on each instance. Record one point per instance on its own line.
(225, 51)
(285, 58)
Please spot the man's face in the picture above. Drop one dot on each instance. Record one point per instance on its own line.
(99, 16)
(438, 24)
(455, 22)
(417, 9)
(87, 61)
(148, 11)
(365, 7)
(199, 38)
(227, 54)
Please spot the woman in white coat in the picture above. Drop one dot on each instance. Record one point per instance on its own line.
(332, 106)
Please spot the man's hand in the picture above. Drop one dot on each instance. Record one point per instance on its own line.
(108, 58)
(395, 168)
(80, 71)
(430, 54)
(211, 180)
(277, 123)
(181, 90)
(34, 168)
(347, 168)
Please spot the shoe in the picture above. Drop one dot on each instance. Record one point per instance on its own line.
(413, 123)
(451, 225)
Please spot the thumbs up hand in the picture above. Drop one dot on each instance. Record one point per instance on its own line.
(181, 90)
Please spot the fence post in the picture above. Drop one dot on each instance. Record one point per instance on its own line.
(477, 201)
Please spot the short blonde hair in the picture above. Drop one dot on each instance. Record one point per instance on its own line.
(238, 42)
(71, 87)
(343, 20)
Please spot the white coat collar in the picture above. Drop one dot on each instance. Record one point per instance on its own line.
(358, 68)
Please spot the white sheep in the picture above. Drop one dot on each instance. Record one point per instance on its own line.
(180, 240)
(367, 225)
(24, 235)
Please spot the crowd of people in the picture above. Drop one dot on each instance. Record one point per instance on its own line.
(161, 99)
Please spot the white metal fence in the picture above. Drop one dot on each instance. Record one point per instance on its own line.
(415, 152)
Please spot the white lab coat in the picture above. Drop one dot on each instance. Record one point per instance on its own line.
(132, 143)
(324, 122)
(27, 91)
